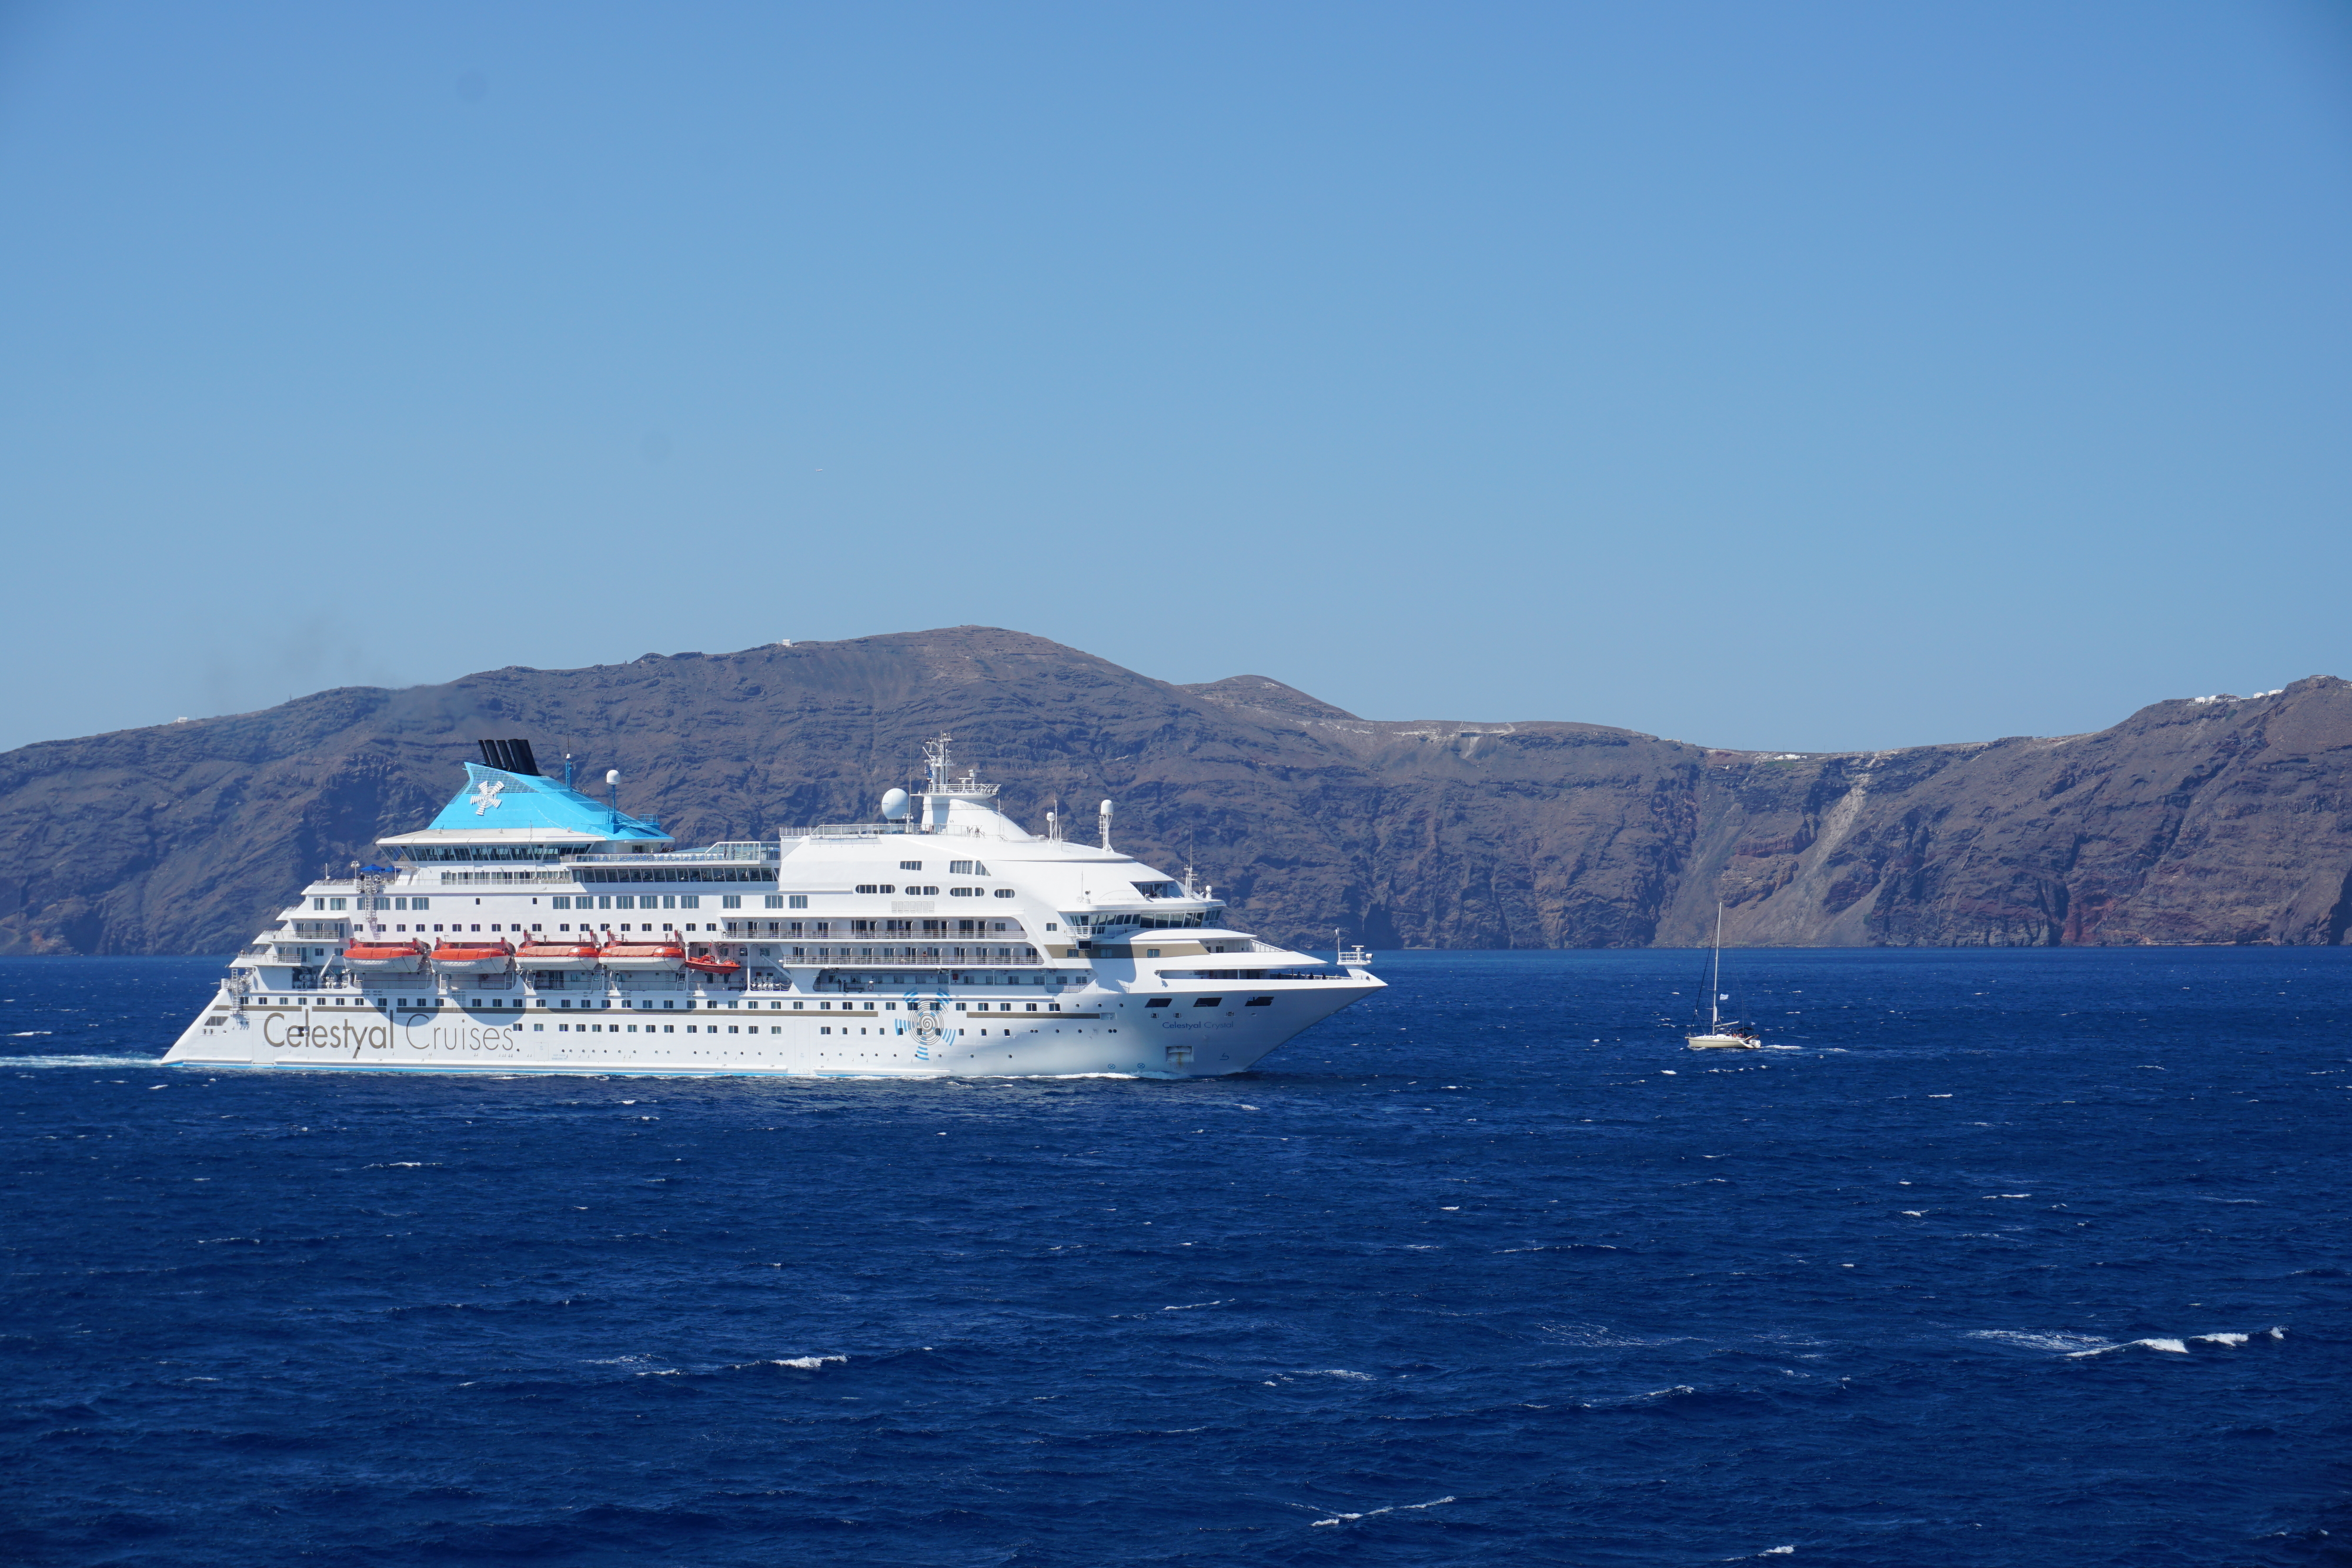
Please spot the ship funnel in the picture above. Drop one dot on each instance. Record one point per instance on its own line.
(509, 756)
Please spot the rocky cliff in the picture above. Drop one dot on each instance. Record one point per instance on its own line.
(2191, 821)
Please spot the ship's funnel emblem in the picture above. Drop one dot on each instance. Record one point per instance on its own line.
(485, 795)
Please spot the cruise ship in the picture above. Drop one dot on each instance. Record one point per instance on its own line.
(534, 928)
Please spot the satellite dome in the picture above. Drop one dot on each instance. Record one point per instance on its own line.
(613, 777)
(894, 804)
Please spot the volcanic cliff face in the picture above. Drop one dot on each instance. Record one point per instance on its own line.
(2190, 821)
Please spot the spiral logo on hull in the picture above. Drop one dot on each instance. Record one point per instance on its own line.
(930, 1029)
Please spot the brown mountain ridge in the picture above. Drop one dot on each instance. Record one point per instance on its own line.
(2203, 820)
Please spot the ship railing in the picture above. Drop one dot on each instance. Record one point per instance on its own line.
(1253, 975)
(496, 878)
(923, 958)
(753, 851)
(1140, 920)
(873, 830)
(924, 977)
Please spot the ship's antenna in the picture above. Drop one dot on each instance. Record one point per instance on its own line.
(567, 762)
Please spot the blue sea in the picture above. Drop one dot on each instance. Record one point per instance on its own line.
(2025, 1258)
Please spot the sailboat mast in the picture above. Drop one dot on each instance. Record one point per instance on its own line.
(1715, 979)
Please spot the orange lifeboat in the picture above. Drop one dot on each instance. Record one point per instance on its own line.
(471, 957)
(643, 958)
(384, 957)
(718, 967)
(538, 954)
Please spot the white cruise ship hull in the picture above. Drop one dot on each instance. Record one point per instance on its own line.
(1093, 1035)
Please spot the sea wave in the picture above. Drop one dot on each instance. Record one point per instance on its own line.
(1376, 1512)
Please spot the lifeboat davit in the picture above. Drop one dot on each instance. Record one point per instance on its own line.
(720, 967)
(471, 957)
(384, 957)
(557, 956)
(643, 958)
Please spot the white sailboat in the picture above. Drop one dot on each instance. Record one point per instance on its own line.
(1716, 1038)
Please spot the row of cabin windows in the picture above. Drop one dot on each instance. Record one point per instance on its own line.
(788, 928)
(822, 1007)
(914, 892)
(562, 927)
(885, 954)
(1209, 1002)
(652, 900)
(868, 929)
(707, 1029)
(688, 900)
(654, 871)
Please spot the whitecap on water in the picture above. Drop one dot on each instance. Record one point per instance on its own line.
(2057, 1344)
(116, 1062)
(2073, 1345)
(2181, 1347)
(1599, 1336)
(2169, 1346)
(1376, 1512)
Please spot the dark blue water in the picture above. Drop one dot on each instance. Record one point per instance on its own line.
(1487, 1270)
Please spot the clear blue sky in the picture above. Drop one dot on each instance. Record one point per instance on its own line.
(1803, 375)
